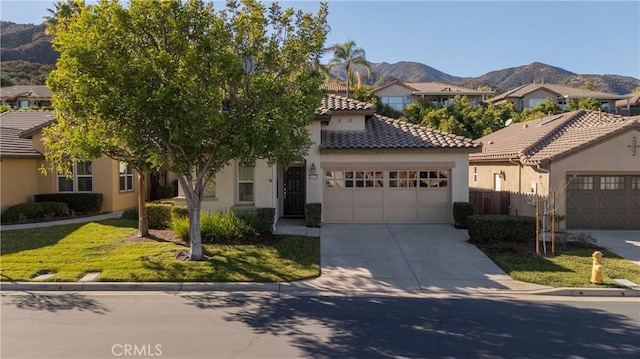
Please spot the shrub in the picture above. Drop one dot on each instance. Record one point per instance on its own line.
(265, 220)
(462, 210)
(131, 213)
(35, 210)
(83, 203)
(179, 212)
(219, 228)
(166, 192)
(313, 214)
(158, 215)
(497, 228)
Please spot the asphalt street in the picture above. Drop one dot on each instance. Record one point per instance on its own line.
(266, 325)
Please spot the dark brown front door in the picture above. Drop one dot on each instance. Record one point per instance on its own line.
(294, 192)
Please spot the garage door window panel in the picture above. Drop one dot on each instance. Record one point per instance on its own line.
(429, 179)
(580, 183)
(635, 183)
(334, 179)
(611, 183)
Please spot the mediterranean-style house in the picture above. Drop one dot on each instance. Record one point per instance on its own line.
(399, 94)
(629, 106)
(362, 167)
(532, 94)
(590, 159)
(25, 96)
(21, 156)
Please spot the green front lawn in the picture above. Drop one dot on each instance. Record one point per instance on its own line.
(71, 251)
(570, 268)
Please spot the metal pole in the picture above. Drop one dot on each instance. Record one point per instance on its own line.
(537, 226)
(553, 225)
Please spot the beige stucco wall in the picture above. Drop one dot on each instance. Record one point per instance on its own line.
(539, 95)
(610, 157)
(18, 181)
(223, 195)
(394, 90)
(521, 181)
(344, 123)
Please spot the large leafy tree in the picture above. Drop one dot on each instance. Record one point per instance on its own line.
(188, 88)
(350, 56)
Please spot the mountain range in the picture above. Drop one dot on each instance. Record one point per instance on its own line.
(26, 57)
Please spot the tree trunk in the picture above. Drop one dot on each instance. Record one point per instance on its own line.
(348, 80)
(143, 223)
(195, 235)
(194, 202)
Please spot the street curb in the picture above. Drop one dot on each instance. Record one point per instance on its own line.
(290, 289)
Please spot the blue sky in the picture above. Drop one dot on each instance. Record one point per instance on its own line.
(469, 38)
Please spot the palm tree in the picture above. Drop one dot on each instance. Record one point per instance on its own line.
(349, 55)
(62, 14)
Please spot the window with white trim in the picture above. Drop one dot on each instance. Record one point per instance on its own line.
(245, 184)
(126, 177)
(81, 179)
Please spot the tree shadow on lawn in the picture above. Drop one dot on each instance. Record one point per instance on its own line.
(27, 239)
(217, 268)
(54, 302)
(430, 327)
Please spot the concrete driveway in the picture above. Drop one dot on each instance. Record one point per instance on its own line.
(623, 243)
(413, 258)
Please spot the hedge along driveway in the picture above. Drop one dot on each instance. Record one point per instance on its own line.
(71, 251)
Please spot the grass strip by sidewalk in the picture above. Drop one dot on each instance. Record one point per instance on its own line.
(569, 268)
(70, 251)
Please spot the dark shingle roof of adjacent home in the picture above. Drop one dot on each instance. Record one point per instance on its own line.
(552, 137)
(558, 90)
(16, 128)
(387, 133)
(34, 91)
(334, 103)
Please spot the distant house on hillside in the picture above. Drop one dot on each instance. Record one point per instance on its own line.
(399, 94)
(629, 106)
(25, 96)
(334, 88)
(532, 94)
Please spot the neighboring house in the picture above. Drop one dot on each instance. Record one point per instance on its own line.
(361, 167)
(532, 94)
(21, 156)
(334, 88)
(399, 94)
(591, 160)
(25, 96)
(629, 106)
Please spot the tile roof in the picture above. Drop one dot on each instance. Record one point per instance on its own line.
(333, 102)
(424, 88)
(559, 90)
(14, 125)
(333, 87)
(634, 100)
(439, 87)
(35, 91)
(386, 133)
(552, 137)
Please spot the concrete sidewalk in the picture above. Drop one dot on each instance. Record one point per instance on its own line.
(626, 244)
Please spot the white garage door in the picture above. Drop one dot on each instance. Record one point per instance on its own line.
(401, 196)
